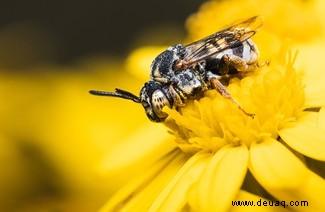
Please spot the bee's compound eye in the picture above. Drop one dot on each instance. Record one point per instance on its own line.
(159, 100)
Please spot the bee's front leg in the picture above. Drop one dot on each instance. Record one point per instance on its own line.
(177, 95)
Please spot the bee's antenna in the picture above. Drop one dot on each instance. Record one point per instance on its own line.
(118, 93)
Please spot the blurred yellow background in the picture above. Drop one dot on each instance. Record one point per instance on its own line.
(53, 134)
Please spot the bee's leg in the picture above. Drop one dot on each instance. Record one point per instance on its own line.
(177, 95)
(238, 63)
(225, 93)
(265, 63)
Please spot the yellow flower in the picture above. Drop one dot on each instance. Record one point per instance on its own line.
(214, 127)
(223, 155)
(218, 143)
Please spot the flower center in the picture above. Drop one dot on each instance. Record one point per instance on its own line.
(274, 93)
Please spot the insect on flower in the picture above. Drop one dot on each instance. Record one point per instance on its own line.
(183, 72)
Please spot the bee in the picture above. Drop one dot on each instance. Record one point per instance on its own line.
(183, 72)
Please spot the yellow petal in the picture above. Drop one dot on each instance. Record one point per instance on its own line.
(246, 201)
(309, 55)
(174, 195)
(315, 96)
(321, 118)
(134, 154)
(221, 179)
(138, 194)
(308, 118)
(305, 139)
(284, 176)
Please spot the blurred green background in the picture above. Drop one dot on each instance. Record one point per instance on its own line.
(53, 134)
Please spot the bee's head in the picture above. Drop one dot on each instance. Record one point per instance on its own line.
(163, 64)
(153, 97)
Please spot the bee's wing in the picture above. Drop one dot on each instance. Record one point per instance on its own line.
(227, 38)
